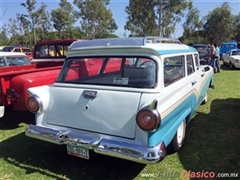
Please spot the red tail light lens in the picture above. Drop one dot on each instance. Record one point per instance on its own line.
(33, 104)
(148, 119)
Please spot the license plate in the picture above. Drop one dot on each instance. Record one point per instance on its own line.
(79, 151)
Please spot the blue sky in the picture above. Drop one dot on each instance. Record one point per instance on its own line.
(9, 8)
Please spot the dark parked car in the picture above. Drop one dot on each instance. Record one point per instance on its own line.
(204, 52)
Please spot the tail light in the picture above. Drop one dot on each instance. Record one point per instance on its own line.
(148, 119)
(34, 104)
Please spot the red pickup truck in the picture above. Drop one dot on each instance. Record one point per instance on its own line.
(18, 73)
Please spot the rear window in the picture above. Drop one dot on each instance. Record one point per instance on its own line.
(111, 71)
(54, 50)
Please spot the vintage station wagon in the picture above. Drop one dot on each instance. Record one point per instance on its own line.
(129, 98)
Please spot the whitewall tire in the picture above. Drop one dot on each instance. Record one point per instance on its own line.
(178, 139)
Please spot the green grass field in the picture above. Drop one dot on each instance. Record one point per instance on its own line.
(212, 145)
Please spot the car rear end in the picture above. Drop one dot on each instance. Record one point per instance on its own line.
(96, 104)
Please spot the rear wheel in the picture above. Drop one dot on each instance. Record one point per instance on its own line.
(205, 100)
(178, 139)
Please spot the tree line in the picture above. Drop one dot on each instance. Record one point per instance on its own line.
(91, 19)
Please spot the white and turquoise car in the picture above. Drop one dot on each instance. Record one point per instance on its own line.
(130, 98)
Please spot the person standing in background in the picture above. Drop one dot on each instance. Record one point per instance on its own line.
(217, 61)
(213, 57)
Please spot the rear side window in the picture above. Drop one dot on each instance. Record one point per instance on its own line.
(110, 71)
(16, 50)
(174, 69)
(26, 50)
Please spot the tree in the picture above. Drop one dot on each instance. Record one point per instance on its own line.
(142, 16)
(96, 19)
(13, 30)
(76, 32)
(3, 35)
(30, 5)
(219, 24)
(43, 20)
(141, 20)
(237, 29)
(170, 13)
(59, 19)
(23, 27)
(63, 19)
(192, 25)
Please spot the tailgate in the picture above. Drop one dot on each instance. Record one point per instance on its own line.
(110, 112)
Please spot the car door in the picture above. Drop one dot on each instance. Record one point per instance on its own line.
(194, 76)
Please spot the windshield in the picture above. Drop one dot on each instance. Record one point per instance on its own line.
(235, 52)
(18, 60)
(111, 71)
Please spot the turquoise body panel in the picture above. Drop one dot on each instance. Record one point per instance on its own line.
(172, 121)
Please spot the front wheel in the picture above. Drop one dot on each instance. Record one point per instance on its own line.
(224, 63)
(178, 139)
(231, 65)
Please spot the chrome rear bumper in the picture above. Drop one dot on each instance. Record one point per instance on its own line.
(132, 152)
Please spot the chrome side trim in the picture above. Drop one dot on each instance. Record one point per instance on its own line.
(132, 152)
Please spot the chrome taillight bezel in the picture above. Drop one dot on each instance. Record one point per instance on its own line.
(39, 102)
(155, 117)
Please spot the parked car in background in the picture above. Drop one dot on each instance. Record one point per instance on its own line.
(51, 52)
(17, 75)
(13, 59)
(232, 58)
(226, 46)
(21, 49)
(117, 97)
(204, 52)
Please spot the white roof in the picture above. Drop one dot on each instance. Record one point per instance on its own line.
(132, 41)
(11, 53)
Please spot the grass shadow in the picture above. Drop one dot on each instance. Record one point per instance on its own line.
(226, 67)
(11, 118)
(213, 140)
(52, 161)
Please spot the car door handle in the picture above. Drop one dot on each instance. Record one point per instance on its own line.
(194, 82)
(202, 74)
